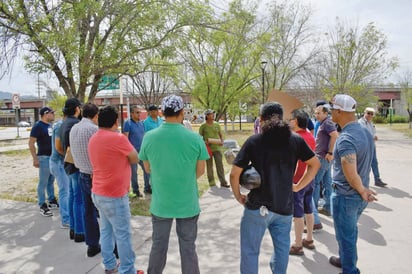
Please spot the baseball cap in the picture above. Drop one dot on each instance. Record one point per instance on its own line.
(173, 102)
(152, 107)
(343, 102)
(45, 110)
(72, 103)
(209, 111)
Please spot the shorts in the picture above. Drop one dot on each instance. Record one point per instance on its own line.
(302, 201)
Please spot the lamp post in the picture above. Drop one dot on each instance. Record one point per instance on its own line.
(263, 66)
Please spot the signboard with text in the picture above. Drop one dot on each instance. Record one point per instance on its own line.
(15, 99)
(109, 82)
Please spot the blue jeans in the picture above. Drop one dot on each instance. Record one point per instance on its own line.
(46, 180)
(115, 227)
(186, 229)
(324, 176)
(346, 212)
(252, 230)
(57, 169)
(374, 165)
(146, 177)
(76, 206)
(92, 232)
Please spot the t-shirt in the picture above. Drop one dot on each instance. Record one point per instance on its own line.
(42, 132)
(173, 152)
(322, 137)
(136, 132)
(276, 167)
(211, 131)
(150, 124)
(108, 152)
(301, 166)
(55, 156)
(354, 139)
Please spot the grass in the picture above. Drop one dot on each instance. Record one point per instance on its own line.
(404, 128)
(12, 153)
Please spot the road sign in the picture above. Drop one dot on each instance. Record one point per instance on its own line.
(15, 99)
(109, 82)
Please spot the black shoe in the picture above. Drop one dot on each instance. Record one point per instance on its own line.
(225, 185)
(380, 183)
(78, 238)
(71, 234)
(45, 211)
(335, 261)
(148, 191)
(53, 204)
(93, 251)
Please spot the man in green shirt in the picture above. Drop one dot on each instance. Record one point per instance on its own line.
(175, 158)
(212, 135)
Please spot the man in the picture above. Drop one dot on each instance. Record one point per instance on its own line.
(352, 163)
(57, 170)
(73, 112)
(302, 199)
(111, 155)
(274, 154)
(367, 122)
(325, 141)
(175, 158)
(210, 130)
(153, 120)
(41, 134)
(80, 135)
(134, 131)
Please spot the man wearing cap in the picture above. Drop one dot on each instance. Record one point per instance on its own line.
(367, 122)
(41, 134)
(353, 155)
(175, 158)
(210, 130)
(72, 108)
(325, 141)
(274, 154)
(153, 119)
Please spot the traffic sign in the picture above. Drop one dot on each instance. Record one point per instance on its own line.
(109, 82)
(15, 99)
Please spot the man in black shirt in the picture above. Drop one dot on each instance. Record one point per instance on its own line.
(274, 154)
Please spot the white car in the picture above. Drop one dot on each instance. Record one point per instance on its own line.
(23, 124)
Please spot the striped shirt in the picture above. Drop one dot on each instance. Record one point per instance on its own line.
(79, 140)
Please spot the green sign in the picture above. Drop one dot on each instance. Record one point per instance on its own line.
(109, 82)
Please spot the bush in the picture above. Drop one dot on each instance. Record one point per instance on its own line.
(385, 120)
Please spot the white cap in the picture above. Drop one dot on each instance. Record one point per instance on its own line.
(343, 102)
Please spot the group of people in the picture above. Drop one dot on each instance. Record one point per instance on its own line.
(95, 164)
(284, 153)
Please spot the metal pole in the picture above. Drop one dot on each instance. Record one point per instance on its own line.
(263, 85)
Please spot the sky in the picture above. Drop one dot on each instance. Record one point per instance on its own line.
(391, 17)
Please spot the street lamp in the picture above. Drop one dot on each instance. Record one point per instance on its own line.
(263, 66)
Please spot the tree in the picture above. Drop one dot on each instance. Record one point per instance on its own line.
(221, 62)
(406, 92)
(80, 41)
(291, 45)
(353, 61)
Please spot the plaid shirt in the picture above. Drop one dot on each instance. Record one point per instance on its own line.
(79, 139)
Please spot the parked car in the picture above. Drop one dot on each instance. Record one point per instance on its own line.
(23, 124)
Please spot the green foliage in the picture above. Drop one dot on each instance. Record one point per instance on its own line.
(395, 119)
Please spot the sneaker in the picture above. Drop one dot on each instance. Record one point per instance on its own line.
(225, 185)
(380, 183)
(78, 238)
(335, 261)
(53, 204)
(65, 226)
(111, 271)
(139, 272)
(45, 211)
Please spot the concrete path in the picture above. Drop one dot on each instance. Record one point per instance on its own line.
(30, 243)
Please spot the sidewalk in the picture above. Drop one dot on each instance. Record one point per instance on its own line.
(30, 243)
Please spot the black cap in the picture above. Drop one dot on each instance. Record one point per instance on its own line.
(45, 110)
(72, 103)
(153, 107)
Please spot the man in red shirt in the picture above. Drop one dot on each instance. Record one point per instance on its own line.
(302, 199)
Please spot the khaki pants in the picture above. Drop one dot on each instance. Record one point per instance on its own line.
(217, 155)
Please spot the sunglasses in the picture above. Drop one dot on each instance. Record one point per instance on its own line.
(370, 113)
